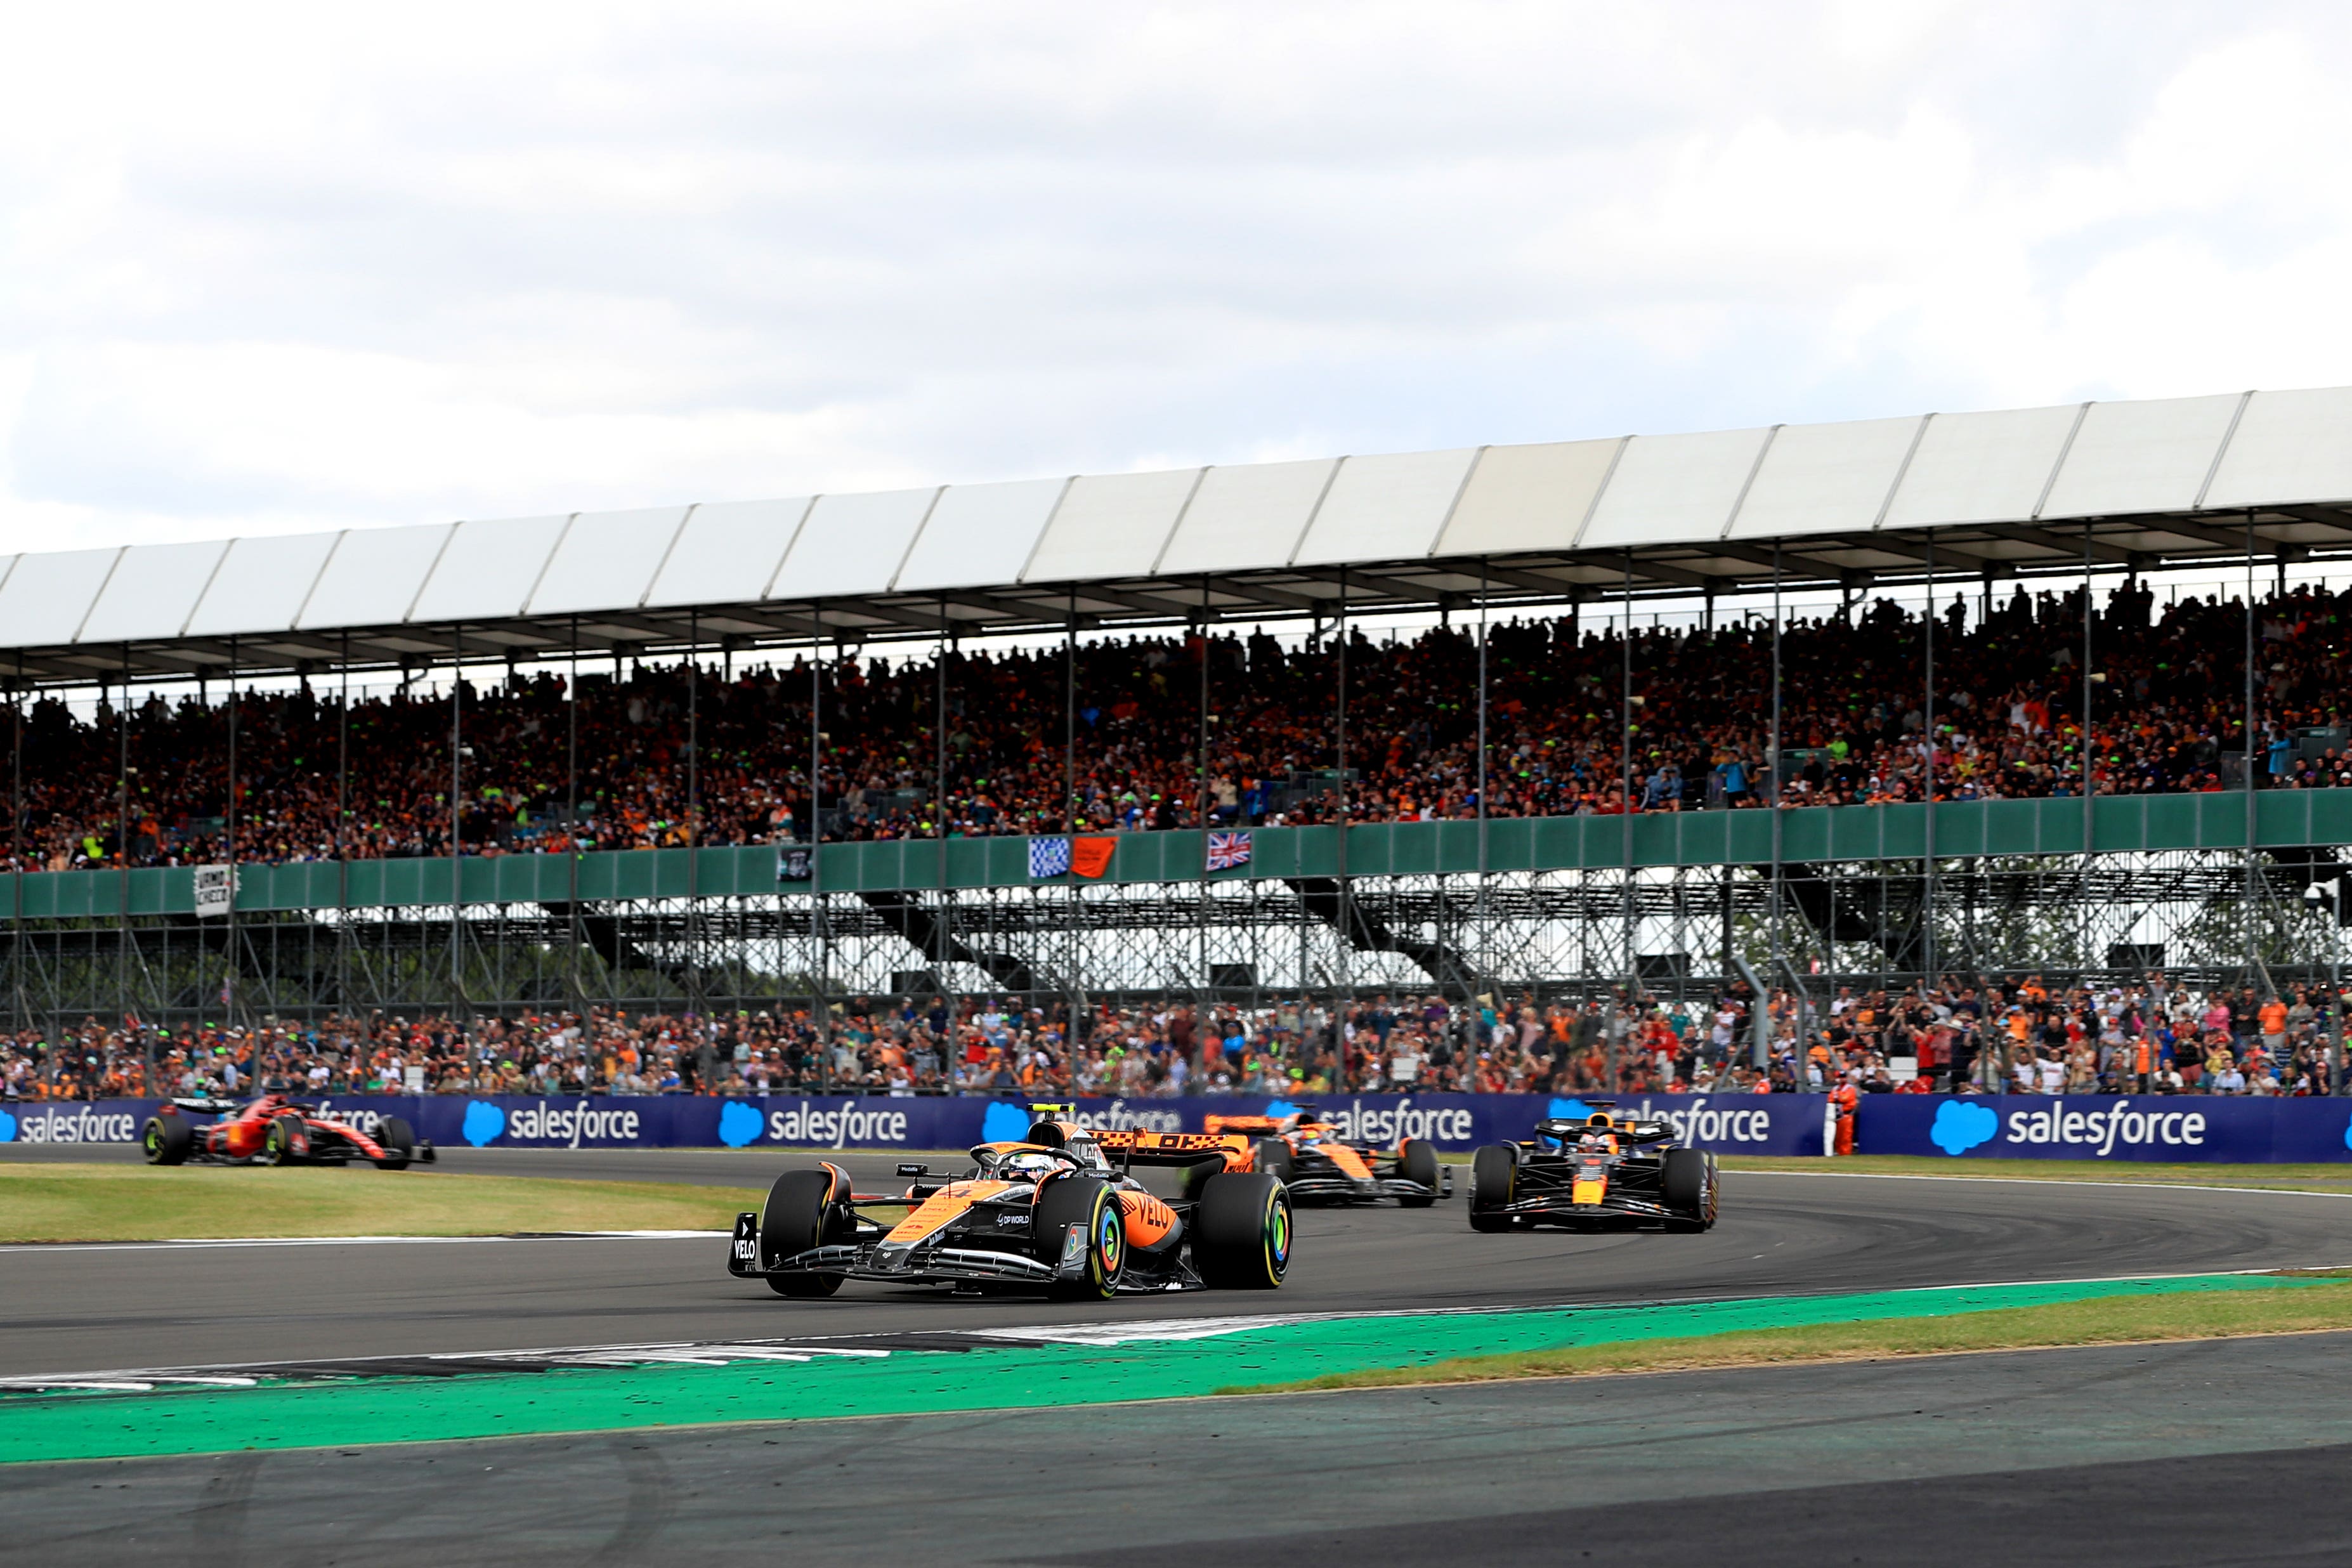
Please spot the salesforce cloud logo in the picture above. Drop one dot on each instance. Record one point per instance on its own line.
(1568, 1111)
(8, 1129)
(1004, 1123)
(1961, 1125)
(483, 1121)
(1280, 1108)
(740, 1123)
(2347, 1135)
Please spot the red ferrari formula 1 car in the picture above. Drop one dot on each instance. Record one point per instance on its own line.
(272, 1130)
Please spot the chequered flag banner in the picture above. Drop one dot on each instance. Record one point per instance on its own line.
(1227, 850)
(1049, 857)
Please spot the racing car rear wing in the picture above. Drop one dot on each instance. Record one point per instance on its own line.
(1139, 1148)
(1631, 1131)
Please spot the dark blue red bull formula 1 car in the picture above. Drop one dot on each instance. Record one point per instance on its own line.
(273, 1131)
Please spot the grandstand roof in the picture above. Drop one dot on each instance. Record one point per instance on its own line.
(2018, 490)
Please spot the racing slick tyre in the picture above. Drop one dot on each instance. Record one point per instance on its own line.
(1241, 1236)
(166, 1139)
(1688, 1181)
(1082, 1201)
(1274, 1159)
(394, 1136)
(1494, 1176)
(1417, 1162)
(796, 1218)
(277, 1143)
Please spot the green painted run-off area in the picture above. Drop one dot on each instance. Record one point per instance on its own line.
(78, 1425)
(2283, 818)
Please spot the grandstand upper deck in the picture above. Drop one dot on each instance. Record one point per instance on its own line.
(1997, 494)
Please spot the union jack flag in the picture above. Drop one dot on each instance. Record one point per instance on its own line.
(1227, 850)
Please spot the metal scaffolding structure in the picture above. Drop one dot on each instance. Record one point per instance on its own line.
(1545, 934)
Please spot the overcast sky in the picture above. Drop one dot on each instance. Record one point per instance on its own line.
(263, 270)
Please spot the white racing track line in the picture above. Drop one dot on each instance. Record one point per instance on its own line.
(722, 1352)
(367, 1240)
(2037, 1180)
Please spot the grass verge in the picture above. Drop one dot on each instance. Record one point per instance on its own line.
(138, 1203)
(2324, 1305)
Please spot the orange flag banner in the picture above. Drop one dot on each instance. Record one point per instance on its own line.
(1091, 857)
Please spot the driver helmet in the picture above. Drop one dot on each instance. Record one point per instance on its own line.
(1026, 1165)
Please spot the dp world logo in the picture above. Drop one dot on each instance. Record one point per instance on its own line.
(8, 1129)
(484, 1122)
(740, 1123)
(1962, 1125)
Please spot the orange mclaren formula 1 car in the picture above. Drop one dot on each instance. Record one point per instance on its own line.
(272, 1130)
(1060, 1211)
(1604, 1172)
(1318, 1166)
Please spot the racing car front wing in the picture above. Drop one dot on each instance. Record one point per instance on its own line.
(925, 1262)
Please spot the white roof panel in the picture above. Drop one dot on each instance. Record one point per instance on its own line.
(374, 575)
(1111, 525)
(1981, 467)
(2289, 447)
(153, 592)
(1672, 488)
(1247, 516)
(1385, 508)
(489, 570)
(853, 544)
(1826, 479)
(1528, 498)
(48, 595)
(260, 585)
(606, 561)
(726, 552)
(2140, 457)
(980, 535)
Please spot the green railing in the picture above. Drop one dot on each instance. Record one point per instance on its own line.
(2120, 823)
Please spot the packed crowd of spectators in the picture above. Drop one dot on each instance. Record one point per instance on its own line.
(723, 757)
(2020, 1037)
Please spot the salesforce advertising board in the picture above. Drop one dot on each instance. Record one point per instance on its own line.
(2123, 1126)
(1754, 1124)
(2107, 1127)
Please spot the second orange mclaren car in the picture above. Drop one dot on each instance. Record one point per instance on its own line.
(1059, 1211)
(1318, 1165)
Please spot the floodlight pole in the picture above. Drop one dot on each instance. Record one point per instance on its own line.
(572, 831)
(694, 996)
(2249, 954)
(122, 844)
(1928, 826)
(1485, 953)
(228, 970)
(820, 1009)
(457, 815)
(1625, 814)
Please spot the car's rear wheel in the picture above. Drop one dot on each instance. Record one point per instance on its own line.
(796, 1218)
(1082, 1201)
(398, 1141)
(166, 1139)
(1240, 1235)
(1494, 1179)
(1687, 1180)
(1417, 1162)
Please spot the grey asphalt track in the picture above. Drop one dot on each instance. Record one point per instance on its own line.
(98, 1308)
(2153, 1456)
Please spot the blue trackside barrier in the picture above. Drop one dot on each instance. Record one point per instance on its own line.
(1741, 1124)
(2120, 1127)
(2172, 1127)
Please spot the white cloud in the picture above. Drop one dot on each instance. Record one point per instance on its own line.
(282, 267)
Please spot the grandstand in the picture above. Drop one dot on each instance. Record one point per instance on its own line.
(571, 683)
